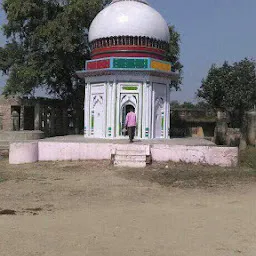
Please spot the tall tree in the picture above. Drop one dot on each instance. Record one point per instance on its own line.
(230, 87)
(173, 55)
(46, 44)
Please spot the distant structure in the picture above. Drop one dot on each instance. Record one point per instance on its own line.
(129, 40)
(39, 114)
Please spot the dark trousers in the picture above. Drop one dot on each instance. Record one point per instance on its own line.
(131, 132)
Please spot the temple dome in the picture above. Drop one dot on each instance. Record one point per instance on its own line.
(129, 18)
(141, 1)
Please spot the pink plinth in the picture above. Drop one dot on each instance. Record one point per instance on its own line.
(23, 152)
(220, 156)
(65, 151)
(29, 152)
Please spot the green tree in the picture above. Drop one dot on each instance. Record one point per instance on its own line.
(203, 105)
(188, 105)
(173, 55)
(174, 104)
(230, 87)
(46, 45)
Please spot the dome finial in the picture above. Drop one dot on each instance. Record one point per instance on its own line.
(140, 1)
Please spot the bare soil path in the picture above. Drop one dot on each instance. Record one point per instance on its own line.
(90, 208)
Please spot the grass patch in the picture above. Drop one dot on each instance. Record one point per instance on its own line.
(193, 176)
(2, 179)
(252, 172)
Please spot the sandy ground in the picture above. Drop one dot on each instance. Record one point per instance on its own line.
(90, 208)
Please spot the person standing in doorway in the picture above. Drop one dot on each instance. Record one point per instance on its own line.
(130, 124)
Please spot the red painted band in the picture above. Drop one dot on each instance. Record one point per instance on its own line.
(100, 64)
(128, 48)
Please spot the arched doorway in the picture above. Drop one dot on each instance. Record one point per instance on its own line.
(125, 110)
(128, 101)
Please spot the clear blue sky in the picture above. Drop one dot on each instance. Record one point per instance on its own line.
(211, 31)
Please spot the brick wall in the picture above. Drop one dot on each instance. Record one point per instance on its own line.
(5, 111)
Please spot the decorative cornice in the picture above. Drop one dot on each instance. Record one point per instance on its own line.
(132, 73)
(126, 40)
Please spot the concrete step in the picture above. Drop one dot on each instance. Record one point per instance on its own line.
(130, 164)
(130, 152)
(131, 158)
(130, 155)
(132, 147)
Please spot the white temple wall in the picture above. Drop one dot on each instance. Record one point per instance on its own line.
(98, 110)
(106, 98)
(159, 110)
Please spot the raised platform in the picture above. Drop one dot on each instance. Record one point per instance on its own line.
(72, 148)
(174, 141)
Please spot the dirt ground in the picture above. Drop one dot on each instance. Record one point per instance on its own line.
(91, 208)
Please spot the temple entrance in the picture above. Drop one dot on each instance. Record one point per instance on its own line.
(125, 110)
(128, 101)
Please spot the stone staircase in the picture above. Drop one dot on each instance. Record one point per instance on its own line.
(131, 155)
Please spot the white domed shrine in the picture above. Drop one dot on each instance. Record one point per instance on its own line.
(129, 18)
(128, 41)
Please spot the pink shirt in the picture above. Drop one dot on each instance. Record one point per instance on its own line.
(130, 119)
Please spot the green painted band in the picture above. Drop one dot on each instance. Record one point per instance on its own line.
(130, 88)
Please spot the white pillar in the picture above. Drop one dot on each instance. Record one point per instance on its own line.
(146, 112)
(152, 111)
(167, 114)
(108, 109)
(107, 98)
(141, 98)
(87, 111)
(118, 125)
(113, 109)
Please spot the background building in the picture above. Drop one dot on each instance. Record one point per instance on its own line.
(22, 114)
